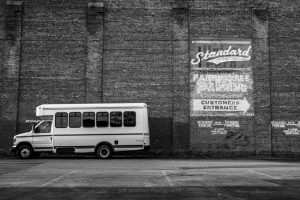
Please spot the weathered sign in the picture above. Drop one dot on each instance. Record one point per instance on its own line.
(219, 127)
(288, 127)
(221, 79)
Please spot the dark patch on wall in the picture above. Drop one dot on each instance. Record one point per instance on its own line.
(12, 15)
(160, 134)
(7, 133)
(182, 138)
(24, 127)
(233, 140)
(94, 14)
(180, 14)
(261, 14)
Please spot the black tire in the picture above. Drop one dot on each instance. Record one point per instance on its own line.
(25, 152)
(104, 151)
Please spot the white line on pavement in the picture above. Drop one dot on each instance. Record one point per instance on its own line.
(274, 177)
(68, 173)
(149, 185)
(167, 178)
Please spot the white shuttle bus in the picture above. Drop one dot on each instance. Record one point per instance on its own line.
(86, 128)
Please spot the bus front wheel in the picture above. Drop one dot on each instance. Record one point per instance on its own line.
(25, 152)
(104, 151)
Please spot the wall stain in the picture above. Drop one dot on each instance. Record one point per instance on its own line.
(233, 140)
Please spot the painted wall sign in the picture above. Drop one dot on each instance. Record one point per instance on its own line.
(221, 105)
(222, 56)
(225, 124)
(219, 131)
(285, 124)
(219, 127)
(292, 131)
(221, 79)
(278, 124)
(209, 53)
(288, 127)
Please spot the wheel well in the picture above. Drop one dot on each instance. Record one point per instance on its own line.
(102, 143)
(24, 143)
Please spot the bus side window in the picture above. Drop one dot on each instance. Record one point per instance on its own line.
(116, 119)
(88, 119)
(44, 127)
(61, 120)
(74, 119)
(129, 119)
(102, 119)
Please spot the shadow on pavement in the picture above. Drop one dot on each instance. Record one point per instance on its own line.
(74, 193)
(9, 167)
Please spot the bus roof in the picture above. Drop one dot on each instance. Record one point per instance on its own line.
(48, 109)
(93, 105)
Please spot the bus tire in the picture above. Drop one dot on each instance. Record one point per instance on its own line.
(25, 152)
(104, 151)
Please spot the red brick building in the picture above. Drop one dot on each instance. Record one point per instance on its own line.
(220, 77)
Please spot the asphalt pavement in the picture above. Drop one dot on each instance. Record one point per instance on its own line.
(148, 178)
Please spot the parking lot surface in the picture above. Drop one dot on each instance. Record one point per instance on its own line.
(145, 178)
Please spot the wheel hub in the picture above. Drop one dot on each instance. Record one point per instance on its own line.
(25, 152)
(104, 152)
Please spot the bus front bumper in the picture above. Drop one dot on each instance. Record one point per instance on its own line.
(13, 149)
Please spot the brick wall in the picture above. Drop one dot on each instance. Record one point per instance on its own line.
(284, 41)
(138, 51)
(10, 43)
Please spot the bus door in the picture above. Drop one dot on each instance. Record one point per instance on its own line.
(42, 137)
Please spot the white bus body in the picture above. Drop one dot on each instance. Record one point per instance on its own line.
(86, 128)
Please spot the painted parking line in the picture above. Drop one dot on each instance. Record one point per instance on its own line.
(68, 173)
(149, 185)
(167, 178)
(273, 177)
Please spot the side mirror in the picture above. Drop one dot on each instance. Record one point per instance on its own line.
(33, 127)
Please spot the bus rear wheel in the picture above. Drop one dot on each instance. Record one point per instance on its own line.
(104, 151)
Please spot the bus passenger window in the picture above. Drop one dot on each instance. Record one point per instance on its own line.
(74, 119)
(102, 119)
(88, 119)
(116, 119)
(61, 120)
(129, 119)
